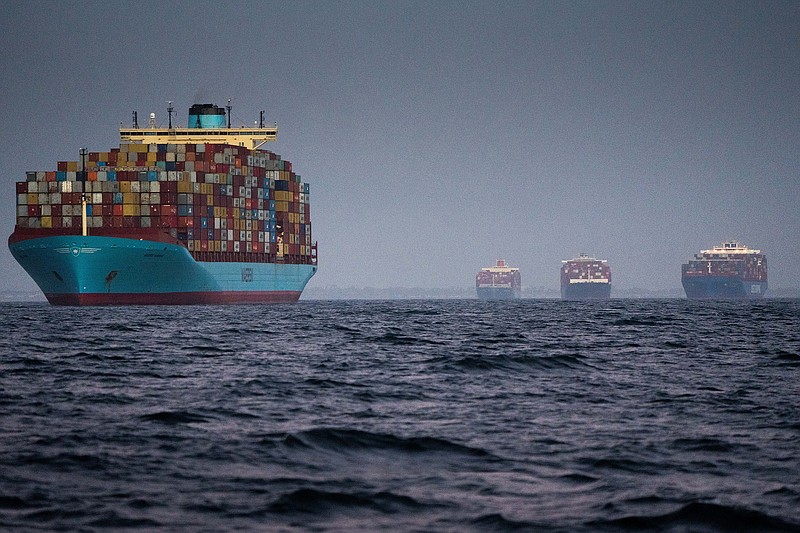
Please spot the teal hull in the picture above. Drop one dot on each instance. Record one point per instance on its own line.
(95, 270)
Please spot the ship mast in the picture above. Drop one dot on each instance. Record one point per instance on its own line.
(84, 228)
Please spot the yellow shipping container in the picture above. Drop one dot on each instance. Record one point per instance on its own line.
(151, 157)
(130, 198)
(47, 222)
(130, 210)
(185, 187)
(281, 206)
(124, 186)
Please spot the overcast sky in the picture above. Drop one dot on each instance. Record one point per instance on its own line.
(438, 136)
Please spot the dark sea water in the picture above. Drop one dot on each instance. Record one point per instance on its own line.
(530, 415)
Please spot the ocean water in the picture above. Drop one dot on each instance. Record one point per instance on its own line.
(448, 415)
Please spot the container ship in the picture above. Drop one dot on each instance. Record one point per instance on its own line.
(729, 271)
(499, 282)
(195, 215)
(584, 278)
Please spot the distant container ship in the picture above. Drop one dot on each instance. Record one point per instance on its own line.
(195, 215)
(499, 282)
(729, 271)
(584, 278)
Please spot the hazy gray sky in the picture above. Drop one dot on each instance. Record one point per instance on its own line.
(439, 136)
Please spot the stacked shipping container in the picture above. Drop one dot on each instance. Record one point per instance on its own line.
(223, 202)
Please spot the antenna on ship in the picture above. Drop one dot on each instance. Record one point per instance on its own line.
(135, 121)
(84, 228)
(228, 107)
(261, 119)
(170, 109)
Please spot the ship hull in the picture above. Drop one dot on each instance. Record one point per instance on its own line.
(498, 293)
(100, 270)
(722, 287)
(586, 291)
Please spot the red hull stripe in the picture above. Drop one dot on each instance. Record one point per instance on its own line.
(174, 298)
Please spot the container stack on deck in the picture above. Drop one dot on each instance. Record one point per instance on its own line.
(223, 202)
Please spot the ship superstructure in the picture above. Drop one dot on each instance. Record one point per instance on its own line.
(728, 271)
(585, 277)
(201, 214)
(499, 282)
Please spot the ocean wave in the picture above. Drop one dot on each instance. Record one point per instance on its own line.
(351, 439)
(174, 417)
(702, 516)
(314, 501)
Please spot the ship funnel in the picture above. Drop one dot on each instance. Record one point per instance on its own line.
(206, 116)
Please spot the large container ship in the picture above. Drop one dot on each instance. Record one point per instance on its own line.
(499, 282)
(728, 271)
(195, 215)
(584, 278)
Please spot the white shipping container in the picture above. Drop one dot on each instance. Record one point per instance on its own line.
(22, 211)
(155, 186)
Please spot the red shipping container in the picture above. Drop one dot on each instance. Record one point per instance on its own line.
(22, 187)
(116, 221)
(57, 221)
(107, 210)
(117, 211)
(61, 166)
(108, 198)
(130, 222)
(50, 176)
(55, 210)
(34, 211)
